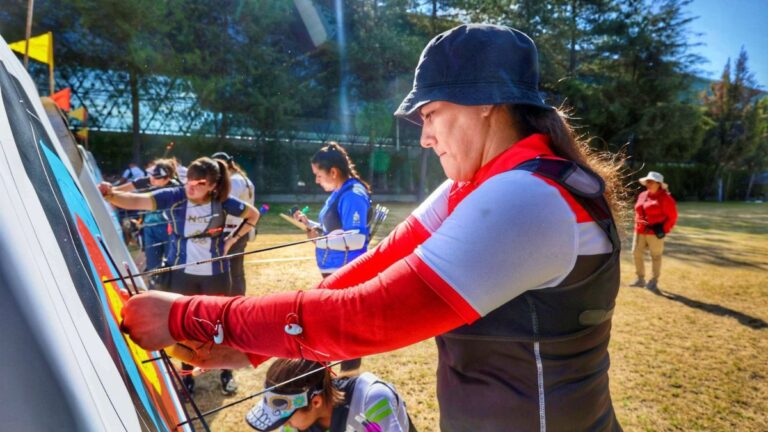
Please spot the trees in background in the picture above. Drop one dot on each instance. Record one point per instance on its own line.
(240, 59)
(624, 67)
(737, 137)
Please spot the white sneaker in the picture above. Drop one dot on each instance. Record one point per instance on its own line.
(228, 386)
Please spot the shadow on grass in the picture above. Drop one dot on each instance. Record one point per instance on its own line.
(715, 309)
(727, 217)
(709, 254)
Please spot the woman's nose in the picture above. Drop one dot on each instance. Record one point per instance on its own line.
(427, 138)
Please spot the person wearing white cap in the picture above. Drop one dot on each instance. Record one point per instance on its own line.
(154, 224)
(304, 397)
(655, 216)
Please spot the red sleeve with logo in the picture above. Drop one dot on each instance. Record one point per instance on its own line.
(392, 310)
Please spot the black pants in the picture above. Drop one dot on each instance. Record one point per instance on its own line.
(188, 284)
(236, 267)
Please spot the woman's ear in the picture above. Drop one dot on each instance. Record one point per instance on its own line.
(317, 401)
(485, 110)
(334, 172)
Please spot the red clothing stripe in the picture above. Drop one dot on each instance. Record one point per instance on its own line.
(445, 291)
(390, 311)
(533, 146)
(401, 242)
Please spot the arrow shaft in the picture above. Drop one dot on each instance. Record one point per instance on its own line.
(217, 259)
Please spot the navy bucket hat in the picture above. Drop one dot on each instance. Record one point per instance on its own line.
(475, 64)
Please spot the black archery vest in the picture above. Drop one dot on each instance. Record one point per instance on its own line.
(540, 361)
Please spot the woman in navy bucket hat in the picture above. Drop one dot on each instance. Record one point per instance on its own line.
(512, 263)
(476, 64)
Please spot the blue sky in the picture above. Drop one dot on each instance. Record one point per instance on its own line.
(726, 26)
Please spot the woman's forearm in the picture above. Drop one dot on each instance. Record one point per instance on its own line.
(250, 219)
(125, 187)
(210, 356)
(130, 201)
(340, 323)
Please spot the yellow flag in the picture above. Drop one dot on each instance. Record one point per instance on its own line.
(40, 48)
(82, 133)
(79, 114)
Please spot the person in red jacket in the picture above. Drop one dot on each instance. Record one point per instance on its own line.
(512, 263)
(655, 216)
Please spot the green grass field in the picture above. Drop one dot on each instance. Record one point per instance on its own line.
(691, 357)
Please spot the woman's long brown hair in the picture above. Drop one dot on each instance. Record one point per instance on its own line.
(334, 155)
(567, 144)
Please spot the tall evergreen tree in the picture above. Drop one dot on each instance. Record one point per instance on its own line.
(732, 106)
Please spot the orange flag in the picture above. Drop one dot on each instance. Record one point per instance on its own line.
(82, 133)
(61, 98)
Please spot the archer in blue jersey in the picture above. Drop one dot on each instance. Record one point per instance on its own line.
(345, 209)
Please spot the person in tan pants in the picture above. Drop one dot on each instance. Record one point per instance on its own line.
(655, 215)
(655, 245)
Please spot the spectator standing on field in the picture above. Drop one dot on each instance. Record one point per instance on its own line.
(655, 216)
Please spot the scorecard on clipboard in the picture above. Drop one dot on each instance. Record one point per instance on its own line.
(294, 222)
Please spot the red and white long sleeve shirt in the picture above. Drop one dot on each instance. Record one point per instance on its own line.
(466, 250)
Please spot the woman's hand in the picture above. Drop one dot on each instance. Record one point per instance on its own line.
(145, 319)
(228, 243)
(301, 217)
(105, 189)
(313, 233)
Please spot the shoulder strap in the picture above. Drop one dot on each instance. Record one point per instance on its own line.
(584, 185)
(346, 188)
(216, 224)
(218, 219)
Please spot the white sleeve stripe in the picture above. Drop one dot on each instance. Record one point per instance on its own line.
(592, 239)
(352, 242)
(432, 212)
(514, 233)
(447, 279)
